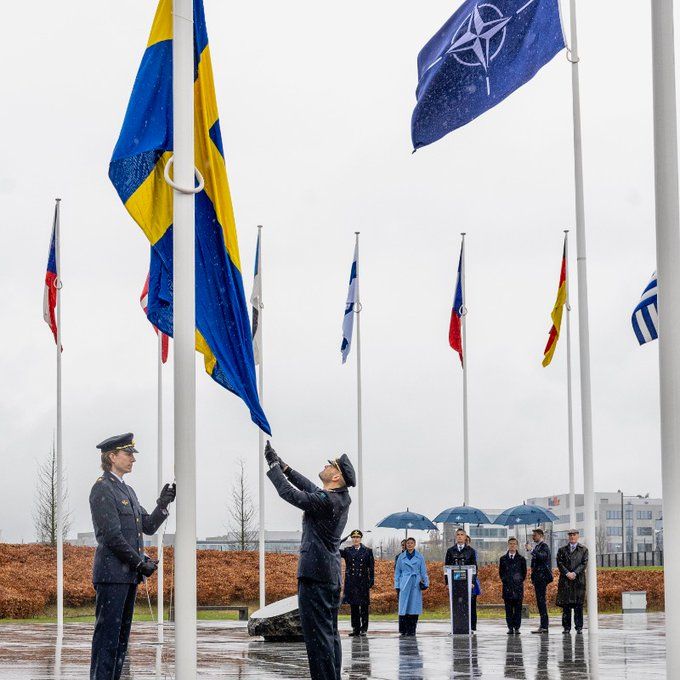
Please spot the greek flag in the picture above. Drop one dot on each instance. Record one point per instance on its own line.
(645, 317)
(348, 321)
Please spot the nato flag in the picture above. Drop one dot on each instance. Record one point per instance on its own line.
(482, 54)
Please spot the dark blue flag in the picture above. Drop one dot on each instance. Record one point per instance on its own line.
(482, 54)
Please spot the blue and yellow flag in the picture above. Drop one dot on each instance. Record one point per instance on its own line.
(223, 333)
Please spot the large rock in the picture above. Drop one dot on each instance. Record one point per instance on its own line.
(277, 622)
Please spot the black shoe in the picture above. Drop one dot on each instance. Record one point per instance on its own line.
(362, 633)
(566, 631)
(354, 633)
(517, 631)
(511, 631)
(579, 631)
(402, 634)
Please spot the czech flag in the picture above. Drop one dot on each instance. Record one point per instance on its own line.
(556, 313)
(455, 335)
(52, 279)
(165, 340)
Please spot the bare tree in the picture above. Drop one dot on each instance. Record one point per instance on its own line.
(601, 540)
(242, 511)
(45, 504)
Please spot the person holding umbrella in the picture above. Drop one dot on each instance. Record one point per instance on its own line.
(410, 579)
(541, 575)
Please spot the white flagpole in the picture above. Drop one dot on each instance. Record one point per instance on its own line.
(570, 418)
(463, 314)
(260, 457)
(159, 463)
(60, 491)
(668, 281)
(360, 437)
(184, 340)
(584, 335)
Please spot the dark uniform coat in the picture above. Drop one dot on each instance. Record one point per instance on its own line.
(359, 574)
(119, 524)
(572, 592)
(541, 568)
(513, 572)
(465, 556)
(323, 521)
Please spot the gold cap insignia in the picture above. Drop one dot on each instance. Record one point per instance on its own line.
(125, 501)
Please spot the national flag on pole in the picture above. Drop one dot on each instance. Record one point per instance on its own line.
(51, 281)
(458, 310)
(350, 305)
(480, 56)
(645, 317)
(223, 333)
(165, 340)
(558, 309)
(255, 302)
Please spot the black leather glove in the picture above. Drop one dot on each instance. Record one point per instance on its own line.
(423, 586)
(397, 589)
(167, 496)
(270, 455)
(147, 567)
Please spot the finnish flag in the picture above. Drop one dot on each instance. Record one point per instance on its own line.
(348, 321)
(646, 317)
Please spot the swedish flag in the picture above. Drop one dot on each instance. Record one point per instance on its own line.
(223, 333)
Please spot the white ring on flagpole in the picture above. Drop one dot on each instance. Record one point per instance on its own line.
(462, 311)
(58, 284)
(176, 187)
(358, 307)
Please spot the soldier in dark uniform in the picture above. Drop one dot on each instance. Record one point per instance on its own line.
(119, 562)
(461, 553)
(323, 521)
(359, 579)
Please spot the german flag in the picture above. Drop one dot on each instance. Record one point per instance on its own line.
(556, 314)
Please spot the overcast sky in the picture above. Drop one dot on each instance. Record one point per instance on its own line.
(315, 103)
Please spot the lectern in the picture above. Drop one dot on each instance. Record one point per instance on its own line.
(460, 578)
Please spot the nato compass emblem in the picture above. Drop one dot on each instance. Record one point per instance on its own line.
(480, 38)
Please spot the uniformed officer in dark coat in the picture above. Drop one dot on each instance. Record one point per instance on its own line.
(359, 579)
(323, 521)
(572, 562)
(512, 570)
(460, 553)
(541, 575)
(119, 562)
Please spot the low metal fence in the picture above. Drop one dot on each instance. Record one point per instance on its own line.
(652, 558)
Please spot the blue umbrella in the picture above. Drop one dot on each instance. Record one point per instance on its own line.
(525, 514)
(463, 514)
(407, 520)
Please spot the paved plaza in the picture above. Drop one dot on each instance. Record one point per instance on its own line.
(628, 647)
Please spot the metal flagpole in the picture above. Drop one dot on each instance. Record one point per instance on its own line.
(668, 282)
(159, 463)
(570, 419)
(584, 334)
(260, 457)
(184, 339)
(463, 314)
(360, 441)
(60, 491)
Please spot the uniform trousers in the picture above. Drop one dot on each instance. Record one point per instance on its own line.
(513, 613)
(359, 617)
(114, 607)
(540, 588)
(578, 616)
(408, 624)
(319, 604)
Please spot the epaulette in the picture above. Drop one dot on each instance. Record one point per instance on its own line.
(100, 479)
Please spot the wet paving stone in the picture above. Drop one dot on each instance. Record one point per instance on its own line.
(627, 647)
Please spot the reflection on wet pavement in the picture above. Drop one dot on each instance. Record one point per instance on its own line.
(627, 647)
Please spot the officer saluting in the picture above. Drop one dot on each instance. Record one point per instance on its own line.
(119, 562)
(323, 521)
(359, 579)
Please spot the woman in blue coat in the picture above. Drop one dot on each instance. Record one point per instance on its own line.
(410, 579)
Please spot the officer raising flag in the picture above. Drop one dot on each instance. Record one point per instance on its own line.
(324, 519)
(120, 564)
